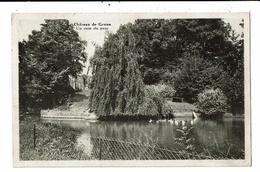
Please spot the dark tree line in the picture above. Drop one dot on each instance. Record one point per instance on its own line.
(137, 67)
(46, 60)
(189, 55)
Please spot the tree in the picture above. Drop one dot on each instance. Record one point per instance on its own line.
(46, 61)
(155, 41)
(117, 82)
(221, 54)
(233, 64)
(207, 36)
(189, 54)
(197, 74)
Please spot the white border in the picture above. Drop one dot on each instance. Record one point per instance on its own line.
(6, 9)
(15, 29)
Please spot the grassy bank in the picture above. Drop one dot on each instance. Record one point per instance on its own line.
(179, 107)
(76, 107)
(52, 142)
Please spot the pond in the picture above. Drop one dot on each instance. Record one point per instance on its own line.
(209, 134)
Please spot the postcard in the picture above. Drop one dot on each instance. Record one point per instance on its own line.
(131, 89)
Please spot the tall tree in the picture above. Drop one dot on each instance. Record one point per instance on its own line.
(233, 64)
(156, 43)
(117, 81)
(47, 59)
(195, 75)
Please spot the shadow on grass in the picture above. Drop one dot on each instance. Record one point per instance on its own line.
(78, 98)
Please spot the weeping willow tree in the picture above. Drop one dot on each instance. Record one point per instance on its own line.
(118, 87)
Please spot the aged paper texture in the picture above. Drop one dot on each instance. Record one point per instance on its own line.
(54, 128)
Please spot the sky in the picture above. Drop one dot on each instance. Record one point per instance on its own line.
(28, 22)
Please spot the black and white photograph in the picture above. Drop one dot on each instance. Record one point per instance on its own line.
(132, 89)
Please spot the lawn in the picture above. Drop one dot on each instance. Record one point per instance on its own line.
(75, 108)
(179, 107)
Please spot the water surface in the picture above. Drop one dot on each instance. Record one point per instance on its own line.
(201, 133)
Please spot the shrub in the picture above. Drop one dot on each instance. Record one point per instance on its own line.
(154, 100)
(167, 108)
(167, 91)
(162, 90)
(212, 102)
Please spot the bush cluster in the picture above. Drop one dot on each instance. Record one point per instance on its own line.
(212, 102)
(154, 101)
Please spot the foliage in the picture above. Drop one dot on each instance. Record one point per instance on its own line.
(45, 62)
(163, 90)
(152, 76)
(187, 145)
(233, 64)
(156, 43)
(117, 82)
(168, 77)
(192, 54)
(168, 110)
(118, 87)
(52, 142)
(185, 141)
(188, 55)
(212, 102)
(153, 102)
(166, 91)
(195, 75)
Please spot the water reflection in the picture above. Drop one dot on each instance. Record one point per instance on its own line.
(84, 143)
(204, 133)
